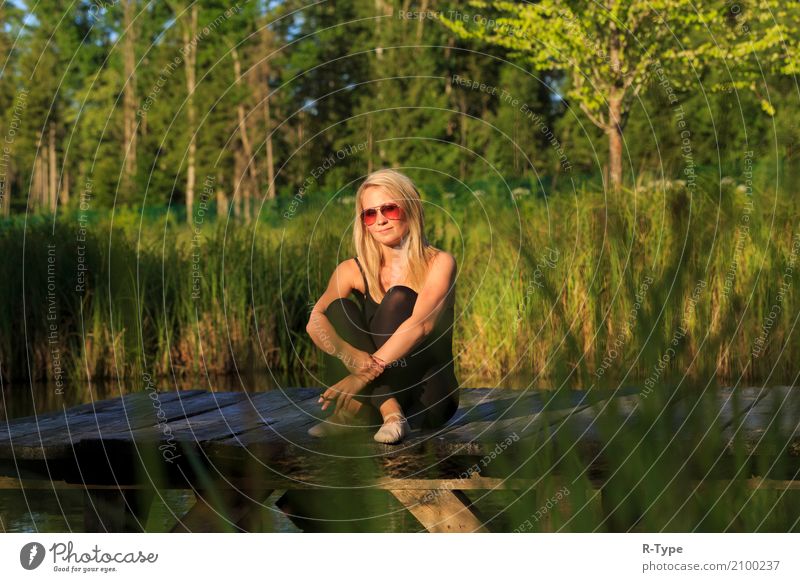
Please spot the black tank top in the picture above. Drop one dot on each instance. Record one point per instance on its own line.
(440, 340)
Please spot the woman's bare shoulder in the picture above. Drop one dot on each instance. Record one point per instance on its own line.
(346, 275)
(443, 259)
(444, 265)
(349, 269)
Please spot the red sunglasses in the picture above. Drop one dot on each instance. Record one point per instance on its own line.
(390, 210)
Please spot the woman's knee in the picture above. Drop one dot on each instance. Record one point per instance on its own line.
(399, 299)
(396, 306)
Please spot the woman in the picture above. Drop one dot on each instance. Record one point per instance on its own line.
(391, 352)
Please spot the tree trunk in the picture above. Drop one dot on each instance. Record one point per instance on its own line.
(614, 133)
(5, 203)
(129, 100)
(237, 195)
(189, 33)
(614, 130)
(266, 47)
(241, 191)
(252, 184)
(63, 196)
(37, 196)
(423, 9)
(462, 165)
(300, 121)
(271, 193)
(51, 158)
(380, 10)
(222, 197)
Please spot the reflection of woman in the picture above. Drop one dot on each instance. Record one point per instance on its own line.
(392, 351)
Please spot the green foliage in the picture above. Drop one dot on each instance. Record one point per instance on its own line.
(612, 52)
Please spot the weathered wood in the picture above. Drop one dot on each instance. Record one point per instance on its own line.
(291, 414)
(150, 424)
(476, 483)
(55, 437)
(59, 420)
(182, 420)
(441, 510)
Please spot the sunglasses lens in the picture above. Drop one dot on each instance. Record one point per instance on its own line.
(369, 215)
(391, 211)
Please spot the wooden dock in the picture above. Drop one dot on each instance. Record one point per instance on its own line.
(234, 449)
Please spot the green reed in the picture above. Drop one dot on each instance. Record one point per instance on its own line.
(555, 287)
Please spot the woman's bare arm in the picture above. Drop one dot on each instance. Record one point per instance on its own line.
(319, 326)
(431, 300)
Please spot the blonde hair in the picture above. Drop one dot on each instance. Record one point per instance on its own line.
(418, 251)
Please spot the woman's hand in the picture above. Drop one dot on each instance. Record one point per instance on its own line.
(361, 364)
(342, 392)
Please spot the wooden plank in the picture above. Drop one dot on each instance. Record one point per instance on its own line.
(511, 411)
(298, 413)
(441, 510)
(150, 424)
(54, 421)
(472, 483)
(138, 410)
(291, 417)
(12, 483)
(223, 422)
(477, 432)
(86, 408)
(57, 443)
(197, 417)
(299, 455)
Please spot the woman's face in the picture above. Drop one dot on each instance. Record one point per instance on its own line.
(385, 231)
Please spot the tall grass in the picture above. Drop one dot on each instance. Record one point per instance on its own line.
(547, 286)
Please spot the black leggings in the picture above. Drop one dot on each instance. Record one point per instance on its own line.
(425, 386)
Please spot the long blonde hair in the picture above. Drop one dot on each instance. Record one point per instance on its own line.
(418, 251)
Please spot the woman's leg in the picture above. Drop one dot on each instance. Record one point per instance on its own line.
(435, 401)
(397, 381)
(347, 319)
(427, 392)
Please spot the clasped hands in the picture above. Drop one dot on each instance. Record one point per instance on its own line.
(363, 368)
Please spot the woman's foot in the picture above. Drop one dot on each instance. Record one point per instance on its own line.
(395, 428)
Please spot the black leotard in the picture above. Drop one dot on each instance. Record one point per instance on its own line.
(439, 342)
(423, 380)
